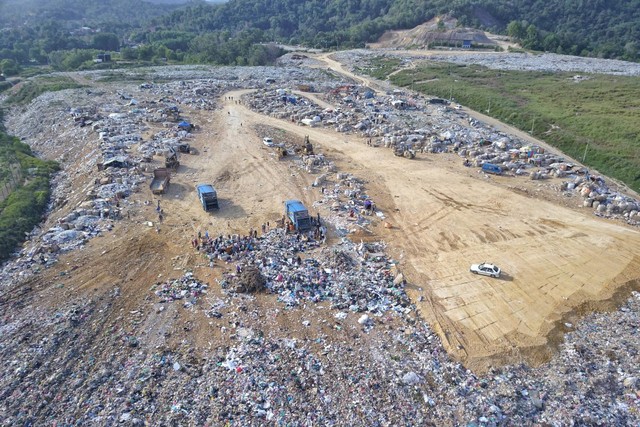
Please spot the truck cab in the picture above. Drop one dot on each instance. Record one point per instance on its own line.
(492, 168)
(298, 215)
(208, 197)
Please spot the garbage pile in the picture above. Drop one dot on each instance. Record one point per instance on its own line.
(398, 374)
(185, 288)
(604, 201)
(353, 277)
(249, 280)
(410, 124)
(550, 62)
(84, 362)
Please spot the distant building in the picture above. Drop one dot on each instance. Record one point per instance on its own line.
(103, 57)
(83, 31)
(464, 38)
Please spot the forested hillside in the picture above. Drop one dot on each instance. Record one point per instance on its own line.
(203, 32)
(606, 28)
(32, 31)
(33, 12)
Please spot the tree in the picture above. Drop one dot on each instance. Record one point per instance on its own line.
(128, 54)
(631, 51)
(531, 41)
(106, 41)
(550, 43)
(9, 67)
(75, 58)
(145, 52)
(515, 30)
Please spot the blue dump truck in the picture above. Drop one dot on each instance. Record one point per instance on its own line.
(491, 168)
(298, 215)
(208, 196)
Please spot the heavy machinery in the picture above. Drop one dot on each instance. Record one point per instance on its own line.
(298, 215)
(208, 197)
(308, 148)
(161, 179)
(185, 148)
(171, 159)
(401, 151)
(492, 168)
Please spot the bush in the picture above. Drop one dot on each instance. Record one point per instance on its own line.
(34, 88)
(22, 210)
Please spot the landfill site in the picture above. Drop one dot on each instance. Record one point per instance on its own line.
(170, 286)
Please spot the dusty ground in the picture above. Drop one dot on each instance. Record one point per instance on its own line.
(559, 261)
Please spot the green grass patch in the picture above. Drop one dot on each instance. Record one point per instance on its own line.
(36, 71)
(380, 67)
(34, 88)
(22, 210)
(4, 86)
(598, 113)
(119, 76)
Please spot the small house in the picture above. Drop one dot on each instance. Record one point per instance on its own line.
(103, 57)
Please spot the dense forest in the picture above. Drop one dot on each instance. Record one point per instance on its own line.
(601, 28)
(605, 28)
(66, 34)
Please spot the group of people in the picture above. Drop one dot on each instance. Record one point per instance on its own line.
(226, 248)
(232, 247)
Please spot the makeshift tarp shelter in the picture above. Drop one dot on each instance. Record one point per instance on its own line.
(114, 162)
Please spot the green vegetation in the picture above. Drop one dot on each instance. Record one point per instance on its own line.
(380, 67)
(605, 28)
(596, 114)
(22, 210)
(34, 88)
(4, 86)
(35, 32)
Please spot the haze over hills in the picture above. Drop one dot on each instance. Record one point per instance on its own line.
(32, 13)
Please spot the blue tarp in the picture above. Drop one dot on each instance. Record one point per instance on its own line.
(184, 124)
